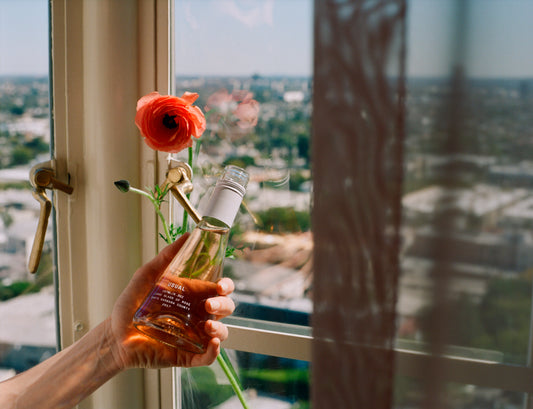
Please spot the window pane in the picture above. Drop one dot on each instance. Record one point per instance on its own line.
(468, 186)
(229, 52)
(410, 393)
(268, 382)
(27, 306)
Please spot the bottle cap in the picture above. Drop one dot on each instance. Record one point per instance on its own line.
(227, 196)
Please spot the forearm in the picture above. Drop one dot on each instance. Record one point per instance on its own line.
(66, 378)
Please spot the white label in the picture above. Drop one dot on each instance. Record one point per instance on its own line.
(224, 205)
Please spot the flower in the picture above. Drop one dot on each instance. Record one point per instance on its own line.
(246, 113)
(220, 101)
(232, 114)
(123, 185)
(168, 123)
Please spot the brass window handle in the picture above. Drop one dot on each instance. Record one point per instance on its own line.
(42, 178)
(179, 182)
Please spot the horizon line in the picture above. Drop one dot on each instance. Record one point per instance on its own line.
(277, 75)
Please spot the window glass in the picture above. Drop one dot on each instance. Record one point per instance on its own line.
(468, 188)
(410, 393)
(27, 305)
(232, 52)
(268, 381)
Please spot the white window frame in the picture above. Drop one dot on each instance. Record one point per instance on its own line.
(105, 55)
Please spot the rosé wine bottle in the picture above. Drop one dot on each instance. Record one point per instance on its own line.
(174, 312)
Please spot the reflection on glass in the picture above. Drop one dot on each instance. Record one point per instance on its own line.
(229, 55)
(268, 382)
(468, 189)
(230, 52)
(27, 306)
(410, 393)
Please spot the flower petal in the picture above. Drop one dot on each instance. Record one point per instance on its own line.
(189, 97)
(143, 101)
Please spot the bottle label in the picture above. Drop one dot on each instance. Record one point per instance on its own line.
(184, 296)
(174, 297)
(224, 204)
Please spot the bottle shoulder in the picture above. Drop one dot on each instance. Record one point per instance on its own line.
(214, 224)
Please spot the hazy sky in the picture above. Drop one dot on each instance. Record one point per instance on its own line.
(243, 37)
(23, 37)
(275, 37)
(497, 37)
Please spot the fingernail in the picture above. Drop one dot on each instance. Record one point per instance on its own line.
(214, 304)
(209, 328)
(224, 286)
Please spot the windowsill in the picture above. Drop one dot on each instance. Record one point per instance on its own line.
(268, 338)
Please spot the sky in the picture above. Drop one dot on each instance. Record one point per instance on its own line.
(497, 40)
(24, 37)
(275, 37)
(244, 37)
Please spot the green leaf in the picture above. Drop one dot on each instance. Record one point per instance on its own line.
(175, 231)
(164, 238)
(230, 252)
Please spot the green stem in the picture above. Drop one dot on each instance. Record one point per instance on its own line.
(190, 151)
(168, 239)
(185, 214)
(233, 381)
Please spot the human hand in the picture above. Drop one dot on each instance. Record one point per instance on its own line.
(134, 349)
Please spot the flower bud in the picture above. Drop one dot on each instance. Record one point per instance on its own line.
(123, 185)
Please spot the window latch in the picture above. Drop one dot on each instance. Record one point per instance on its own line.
(42, 177)
(179, 182)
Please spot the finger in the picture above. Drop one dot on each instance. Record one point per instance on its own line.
(166, 255)
(216, 329)
(225, 286)
(220, 306)
(208, 357)
(156, 266)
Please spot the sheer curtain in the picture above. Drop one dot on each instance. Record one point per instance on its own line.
(358, 129)
(459, 143)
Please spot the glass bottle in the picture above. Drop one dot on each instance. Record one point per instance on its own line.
(174, 312)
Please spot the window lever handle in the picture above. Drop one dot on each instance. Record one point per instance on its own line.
(42, 178)
(38, 241)
(179, 182)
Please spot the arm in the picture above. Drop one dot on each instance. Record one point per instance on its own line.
(67, 377)
(113, 346)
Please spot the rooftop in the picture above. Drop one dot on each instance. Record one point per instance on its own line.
(478, 200)
(29, 319)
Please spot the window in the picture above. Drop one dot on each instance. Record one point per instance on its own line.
(465, 287)
(27, 301)
(263, 49)
(453, 253)
(96, 235)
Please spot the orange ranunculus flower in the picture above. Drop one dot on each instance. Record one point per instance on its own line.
(168, 123)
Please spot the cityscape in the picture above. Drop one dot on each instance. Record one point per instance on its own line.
(492, 203)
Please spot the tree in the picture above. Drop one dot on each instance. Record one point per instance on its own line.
(21, 155)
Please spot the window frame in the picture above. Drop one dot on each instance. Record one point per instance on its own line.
(88, 126)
